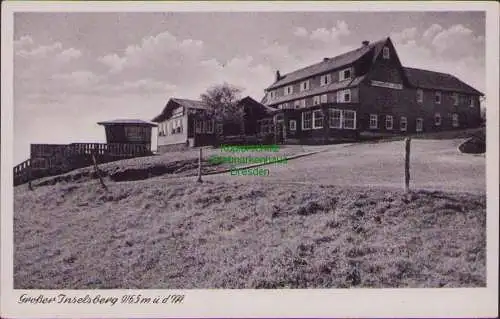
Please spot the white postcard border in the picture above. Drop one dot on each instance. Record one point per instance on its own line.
(442, 302)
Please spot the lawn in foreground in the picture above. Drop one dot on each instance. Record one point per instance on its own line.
(162, 234)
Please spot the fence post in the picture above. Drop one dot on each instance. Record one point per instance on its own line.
(30, 177)
(407, 164)
(96, 169)
(199, 166)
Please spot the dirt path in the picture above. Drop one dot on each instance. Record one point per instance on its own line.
(435, 165)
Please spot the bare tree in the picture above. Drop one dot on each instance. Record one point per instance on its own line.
(223, 105)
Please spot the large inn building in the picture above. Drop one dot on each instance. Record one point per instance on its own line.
(364, 92)
(367, 91)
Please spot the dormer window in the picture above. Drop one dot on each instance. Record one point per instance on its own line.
(325, 79)
(420, 95)
(471, 101)
(385, 53)
(272, 95)
(289, 90)
(316, 100)
(437, 97)
(345, 74)
(304, 86)
(455, 98)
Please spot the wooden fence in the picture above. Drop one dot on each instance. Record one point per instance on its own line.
(53, 159)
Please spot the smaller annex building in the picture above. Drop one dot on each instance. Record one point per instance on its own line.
(184, 123)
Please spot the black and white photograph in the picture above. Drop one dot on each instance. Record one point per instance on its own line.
(249, 150)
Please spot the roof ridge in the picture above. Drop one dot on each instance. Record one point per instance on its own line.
(362, 51)
(371, 45)
(183, 99)
(426, 70)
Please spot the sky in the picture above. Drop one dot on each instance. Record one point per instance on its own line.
(72, 70)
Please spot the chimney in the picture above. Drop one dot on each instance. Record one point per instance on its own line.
(365, 43)
(278, 76)
(325, 59)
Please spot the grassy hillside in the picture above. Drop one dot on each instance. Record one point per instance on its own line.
(158, 233)
(178, 164)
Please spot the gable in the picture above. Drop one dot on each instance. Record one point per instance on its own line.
(388, 72)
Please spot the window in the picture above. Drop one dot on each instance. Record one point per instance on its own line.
(272, 94)
(344, 96)
(455, 98)
(324, 98)
(386, 54)
(403, 124)
(266, 126)
(437, 97)
(420, 125)
(304, 86)
(373, 121)
(299, 103)
(289, 90)
(285, 105)
(198, 126)
(454, 120)
(306, 120)
(219, 128)
(335, 118)
(437, 119)
(345, 74)
(420, 96)
(349, 120)
(293, 125)
(210, 126)
(389, 121)
(325, 79)
(316, 100)
(471, 101)
(177, 112)
(317, 119)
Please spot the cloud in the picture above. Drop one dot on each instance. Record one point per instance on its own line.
(300, 32)
(23, 42)
(333, 34)
(244, 72)
(404, 36)
(431, 32)
(455, 50)
(154, 53)
(33, 60)
(143, 86)
(457, 42)
(113, 62)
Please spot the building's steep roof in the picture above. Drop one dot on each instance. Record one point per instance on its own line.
(127, 122)
(172, 102)
(192, 104)
(199, 105)
(435, 80)
(253, 103)
(330, 64)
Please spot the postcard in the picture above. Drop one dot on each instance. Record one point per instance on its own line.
(249, 159)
